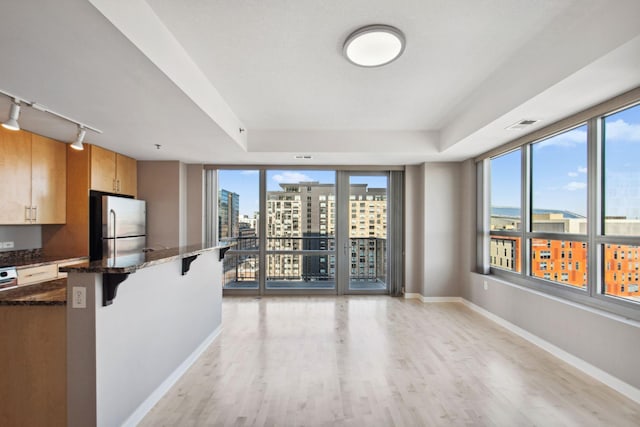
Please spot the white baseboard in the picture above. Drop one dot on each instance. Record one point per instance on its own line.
(620, 386)
(431, 299)
(146, 406)
(440, 299)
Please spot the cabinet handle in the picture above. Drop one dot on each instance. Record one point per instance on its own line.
(113, 186)
(39, 273)
(27, 214)
(34, 217)
(118, 186)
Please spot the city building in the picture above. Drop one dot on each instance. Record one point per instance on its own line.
(565, 261)
(228, 214)
(301, 216)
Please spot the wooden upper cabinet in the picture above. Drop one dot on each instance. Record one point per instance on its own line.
(103, 169)
(15, 176)
(112, 172)
(48, 180)
(127, 175)
(34, 171)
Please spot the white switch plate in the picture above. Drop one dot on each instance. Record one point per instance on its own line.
(486, 285)
(79, 297)
(7, 245)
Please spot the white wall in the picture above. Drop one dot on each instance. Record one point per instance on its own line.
(441, 233)
(174, 193)
(195, 204)
(159, 185)
(414, 228)
(120, 355)
(22, 236)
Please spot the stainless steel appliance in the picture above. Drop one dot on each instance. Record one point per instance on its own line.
(8, 278)
(118, 229)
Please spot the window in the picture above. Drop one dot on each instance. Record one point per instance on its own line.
(559, 183)
(505, 211)
(238, 226)
(588, 169)
(621, 172)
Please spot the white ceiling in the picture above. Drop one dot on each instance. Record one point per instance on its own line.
(188, 75)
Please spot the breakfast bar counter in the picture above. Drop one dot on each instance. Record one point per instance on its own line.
(125, 350)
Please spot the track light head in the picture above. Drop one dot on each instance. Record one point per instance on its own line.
(14, 114)
(77, 144)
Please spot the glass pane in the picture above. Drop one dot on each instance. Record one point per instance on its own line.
(559, 183)
(621, 172)
(301, 217)
(560, 261)
(367, 263)
(295, 271)
(505, 253)
(621, 269)
(238, 207)
(240, 271)
(367, 216)
(505, 191)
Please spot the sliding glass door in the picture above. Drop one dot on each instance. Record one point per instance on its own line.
(302, 231)
(363, 233)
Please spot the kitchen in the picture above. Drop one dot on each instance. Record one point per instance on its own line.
(54, 372)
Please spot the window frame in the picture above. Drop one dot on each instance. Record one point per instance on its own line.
(594, 294)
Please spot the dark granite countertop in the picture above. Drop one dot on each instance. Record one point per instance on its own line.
(53, 292)
(131, 263)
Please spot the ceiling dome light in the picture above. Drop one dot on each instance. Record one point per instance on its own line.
(374, 45)
(14, 113)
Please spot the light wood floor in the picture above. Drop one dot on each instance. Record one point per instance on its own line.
(379, 361)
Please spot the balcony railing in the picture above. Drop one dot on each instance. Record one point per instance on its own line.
(304, 262)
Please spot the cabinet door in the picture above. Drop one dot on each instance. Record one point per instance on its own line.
(103, 169)
(15, 176)
(127, 175)
(48, 180)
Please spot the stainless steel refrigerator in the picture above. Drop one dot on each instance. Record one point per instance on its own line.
(118, 229)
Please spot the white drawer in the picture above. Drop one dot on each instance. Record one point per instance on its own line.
(37, 274)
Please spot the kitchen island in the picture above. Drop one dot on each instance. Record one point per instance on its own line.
(134, 325)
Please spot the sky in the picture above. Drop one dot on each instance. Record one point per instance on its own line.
(559, 170)
(247, 183)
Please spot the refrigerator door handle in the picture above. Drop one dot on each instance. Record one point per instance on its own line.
(112, 214)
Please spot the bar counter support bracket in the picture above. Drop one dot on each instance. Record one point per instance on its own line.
(186, 263)
(222, 252)
(110, 283)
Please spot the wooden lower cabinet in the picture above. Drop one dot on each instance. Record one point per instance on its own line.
(33, 384)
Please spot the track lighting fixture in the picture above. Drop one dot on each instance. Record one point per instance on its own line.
(14, 113)
(77, 144)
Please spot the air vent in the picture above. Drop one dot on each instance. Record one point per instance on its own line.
(521, 124)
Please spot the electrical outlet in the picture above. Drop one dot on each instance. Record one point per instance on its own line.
(486, 285)
(79, 297)
(8, 245)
